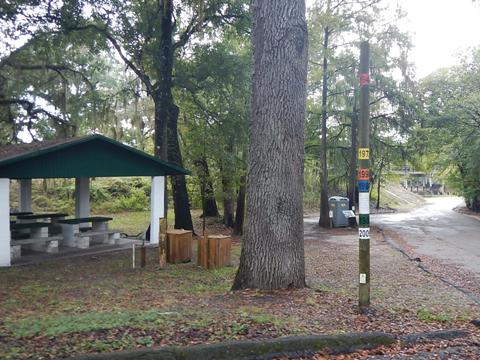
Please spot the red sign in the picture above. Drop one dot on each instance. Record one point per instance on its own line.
(364, 79)
(363, 174)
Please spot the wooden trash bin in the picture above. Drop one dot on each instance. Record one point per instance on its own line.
(179, 246)
(214, 251)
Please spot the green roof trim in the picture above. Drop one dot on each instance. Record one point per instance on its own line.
(89, 156)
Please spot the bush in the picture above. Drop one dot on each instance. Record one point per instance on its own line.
(108, 195)
(136, 200)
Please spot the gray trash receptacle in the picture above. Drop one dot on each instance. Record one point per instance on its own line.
(337, 205)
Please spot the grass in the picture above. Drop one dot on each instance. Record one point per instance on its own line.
(133, 223)
(99, 304)
(426, 315)
(56, 325)
(130, 223)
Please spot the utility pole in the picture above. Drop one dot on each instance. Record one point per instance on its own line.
(363, 178)
(352, 184)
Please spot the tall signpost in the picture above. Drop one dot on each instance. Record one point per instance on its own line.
(363, 178)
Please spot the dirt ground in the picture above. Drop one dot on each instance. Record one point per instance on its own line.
(100, 304)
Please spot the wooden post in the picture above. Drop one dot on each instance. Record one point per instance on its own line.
(364, 180)
(133, 256)
(143, 255)
(162, 247)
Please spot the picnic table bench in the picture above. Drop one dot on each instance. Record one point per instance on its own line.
(72, 236)
(35, 237)
(17, 213)
(53, 216)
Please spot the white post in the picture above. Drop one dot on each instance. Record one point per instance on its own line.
(25, 195)
(157, 203)
(82, 197)
(4, 222)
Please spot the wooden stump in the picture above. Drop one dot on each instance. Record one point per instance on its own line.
(162, 243)
(179, 246)
(214, 251)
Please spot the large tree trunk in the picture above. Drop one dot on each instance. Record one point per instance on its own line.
(324, 220)
(166, 118)
(207, 191)
(181, 203)
(228, 203)
(240, 212)
(227, 169)
(273, 252)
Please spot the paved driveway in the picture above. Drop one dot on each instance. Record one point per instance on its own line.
(435, 230)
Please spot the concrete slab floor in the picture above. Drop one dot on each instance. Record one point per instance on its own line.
(34, 257)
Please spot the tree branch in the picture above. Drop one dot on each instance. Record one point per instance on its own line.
(141, 74)
(32, 111)
(58, 68)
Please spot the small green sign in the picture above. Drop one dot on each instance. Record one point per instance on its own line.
(364, 220)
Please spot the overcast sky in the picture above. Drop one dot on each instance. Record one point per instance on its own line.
(440, 29)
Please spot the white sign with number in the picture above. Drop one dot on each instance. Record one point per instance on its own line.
(364, 233)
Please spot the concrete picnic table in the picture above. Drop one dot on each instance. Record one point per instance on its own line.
(72, 236)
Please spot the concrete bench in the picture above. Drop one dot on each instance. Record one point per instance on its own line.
(38, 239)
(72, 236)
(48, 244)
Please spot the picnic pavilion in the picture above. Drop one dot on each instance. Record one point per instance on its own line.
(81, 158)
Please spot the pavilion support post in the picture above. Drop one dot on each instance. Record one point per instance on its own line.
(82, 198)
(157, 206)
(25, 195)
(5, 222)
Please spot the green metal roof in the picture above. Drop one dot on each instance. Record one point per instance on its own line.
(89, 156)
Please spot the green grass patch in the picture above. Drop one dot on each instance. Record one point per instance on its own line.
(55, 325)
(12, 353)
(426, 315)
(131, 223)
(218, 280)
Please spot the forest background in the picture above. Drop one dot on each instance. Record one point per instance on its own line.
(111, 67)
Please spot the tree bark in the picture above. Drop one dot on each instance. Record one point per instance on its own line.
(273, 252)
(181, 203)
(207, 190)
(227, 168)
(167, 146)
(324, 220)
(379, 183)
(240, 212)
(228, 207)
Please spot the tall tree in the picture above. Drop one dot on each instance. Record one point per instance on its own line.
(448, 134)
(336, 27)
(273, 252)
(148, 36)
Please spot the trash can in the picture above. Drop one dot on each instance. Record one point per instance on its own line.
(337, 205)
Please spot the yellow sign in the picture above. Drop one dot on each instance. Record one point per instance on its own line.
(363, 153)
